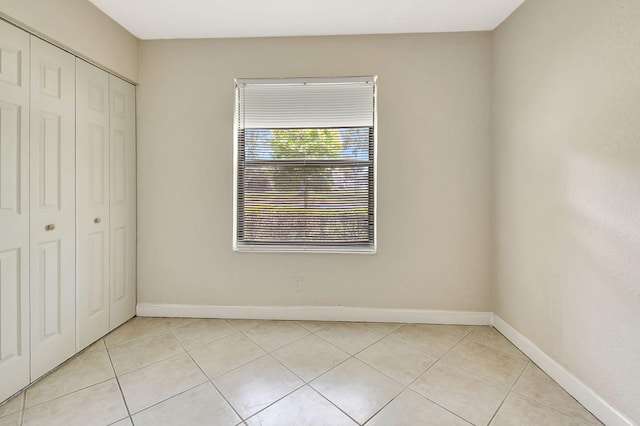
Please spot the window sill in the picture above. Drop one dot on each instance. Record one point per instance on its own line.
(304, 249)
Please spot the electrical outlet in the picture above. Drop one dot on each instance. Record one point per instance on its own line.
(297, 283)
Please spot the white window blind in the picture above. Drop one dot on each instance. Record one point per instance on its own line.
(305, 164)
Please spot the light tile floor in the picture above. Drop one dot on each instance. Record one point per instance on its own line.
(183, 371)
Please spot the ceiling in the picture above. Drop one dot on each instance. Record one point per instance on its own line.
(167, 19)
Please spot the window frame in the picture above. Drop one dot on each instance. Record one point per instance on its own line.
(303, 248)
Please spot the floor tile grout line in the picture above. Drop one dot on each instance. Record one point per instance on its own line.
(441, 358)
(490, 382)
(304, 382)
(147, 365)
(319, 337)
(234, 368)
(12, 396)
(243, 332)
(368, 324)
(357, 352)
(171, 330)
(547, 405)
(437, 359)
(274, 402)
(124, 399)
(515, 358)
(308, 383)
(136, 338)
(48, 374)
(208, 342)
(417, 348)
(327, 398)
(441, 406)
(402, 384)
(483, 379)
(497, 410)
(310, 331)
(479, 378)
(156, 334)
(331, 402)
(118, 421)
(67, 394)
(498, 349)
(22, 407)
(384, 406)
(226, 400)
(166, 399)
(210, 380)
(355, 356)
(288, 369)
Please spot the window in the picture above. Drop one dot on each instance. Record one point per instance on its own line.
(305, 165)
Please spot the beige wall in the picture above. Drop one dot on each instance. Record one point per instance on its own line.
(433, 174)
(567, 187)
(80, 27)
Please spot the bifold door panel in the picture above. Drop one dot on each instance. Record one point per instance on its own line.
(14, 210)
(106, 200)
(123, 201)
(52, 216)
(92, 191)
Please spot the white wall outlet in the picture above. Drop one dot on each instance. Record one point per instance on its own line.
(297, 283)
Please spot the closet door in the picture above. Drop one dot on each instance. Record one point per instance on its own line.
(52, 193)
(14, 209)
(92, 200)
(123, 201)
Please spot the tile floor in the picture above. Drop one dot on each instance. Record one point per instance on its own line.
(179, 371)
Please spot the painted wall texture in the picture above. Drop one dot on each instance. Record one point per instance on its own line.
(433, 174)
(566, 130)
(82, 28)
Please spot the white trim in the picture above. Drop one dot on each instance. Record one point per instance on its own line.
(316, 313)
(362, 92)
(287, 81)
(581, 392)
(251, 248)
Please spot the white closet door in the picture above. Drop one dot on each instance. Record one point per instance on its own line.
(92, 200)
(123, 201)
(14, 209)
(52, 230)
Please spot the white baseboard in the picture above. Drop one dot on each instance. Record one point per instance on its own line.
(316, 313)
(581, 392)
